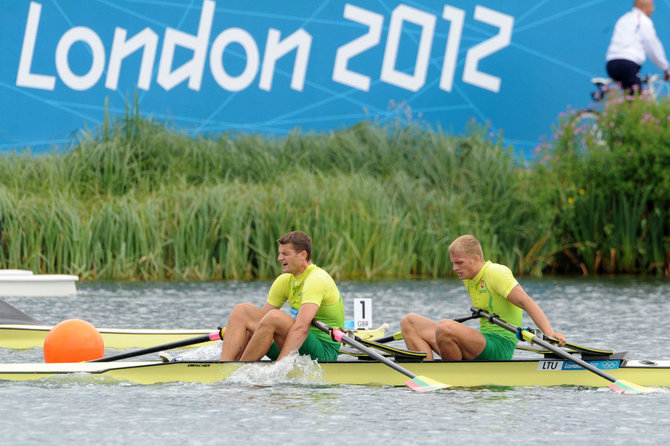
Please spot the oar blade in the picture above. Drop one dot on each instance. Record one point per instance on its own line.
(425, 384)
(629, 388)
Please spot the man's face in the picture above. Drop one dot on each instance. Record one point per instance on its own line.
(291, 261)
(467, 267)
(648, 7)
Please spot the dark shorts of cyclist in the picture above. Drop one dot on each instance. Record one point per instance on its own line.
(626, 73)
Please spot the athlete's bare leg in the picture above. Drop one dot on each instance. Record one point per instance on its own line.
(419, 334)
(241, 325)
(456, 341)
(273, 327)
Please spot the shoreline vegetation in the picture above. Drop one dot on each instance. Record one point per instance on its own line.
(136, 200)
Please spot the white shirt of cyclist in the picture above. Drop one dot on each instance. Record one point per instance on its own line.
(634, 38)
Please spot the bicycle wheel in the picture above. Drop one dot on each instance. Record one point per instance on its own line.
(660, 88)
(587, 131)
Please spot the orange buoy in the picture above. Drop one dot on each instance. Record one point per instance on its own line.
(73, 340)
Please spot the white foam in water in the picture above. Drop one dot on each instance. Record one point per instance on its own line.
(206, 353)
(293, 369)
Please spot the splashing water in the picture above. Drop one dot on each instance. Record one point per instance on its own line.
(293, 369)
(206, 353)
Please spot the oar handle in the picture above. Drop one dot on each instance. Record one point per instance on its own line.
(213, 336)
(339, 336)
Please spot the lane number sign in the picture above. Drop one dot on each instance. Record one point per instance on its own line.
(363, 313)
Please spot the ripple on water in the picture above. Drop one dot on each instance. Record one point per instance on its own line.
(271, 406)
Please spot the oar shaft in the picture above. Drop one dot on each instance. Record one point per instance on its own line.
(373, 354)
(398, 335)
(213, 336)
(388, 338)
(560, 352)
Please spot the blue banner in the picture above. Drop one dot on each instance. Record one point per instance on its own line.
(270, 67)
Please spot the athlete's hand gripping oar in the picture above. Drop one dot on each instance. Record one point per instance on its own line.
(397, 336)
(418, 383)
(618, 385)
(213, 336)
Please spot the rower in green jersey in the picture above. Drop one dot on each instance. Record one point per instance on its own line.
(253, 332)
(492, 287)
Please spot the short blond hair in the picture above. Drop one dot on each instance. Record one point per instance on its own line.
(467, 244)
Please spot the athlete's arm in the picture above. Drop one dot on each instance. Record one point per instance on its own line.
(522, 300)
(267, 307)
(298, 331)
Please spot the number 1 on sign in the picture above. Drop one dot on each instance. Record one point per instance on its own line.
(363, 313)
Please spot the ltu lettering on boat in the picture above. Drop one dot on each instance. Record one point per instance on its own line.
(550, 365)
(411, 78)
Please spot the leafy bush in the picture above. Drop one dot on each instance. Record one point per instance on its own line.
(609, 185)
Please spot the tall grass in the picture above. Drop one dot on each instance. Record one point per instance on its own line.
(136, 200)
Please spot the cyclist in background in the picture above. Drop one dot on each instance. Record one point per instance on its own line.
(634, 39)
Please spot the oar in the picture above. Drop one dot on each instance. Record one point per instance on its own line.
(397, 336)
(213, 336)
(418, 383)
(618, 385)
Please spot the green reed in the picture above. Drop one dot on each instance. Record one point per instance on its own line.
(136, 200)
(362, 227)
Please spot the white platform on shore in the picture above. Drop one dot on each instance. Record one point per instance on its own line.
(19, 282)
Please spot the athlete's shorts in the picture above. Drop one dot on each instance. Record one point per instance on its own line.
(313, 346)
(497, 348)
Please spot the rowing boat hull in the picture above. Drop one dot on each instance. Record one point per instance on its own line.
(23, 336)
(455, 373)
(20, 336)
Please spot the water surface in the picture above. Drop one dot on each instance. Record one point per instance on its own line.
(622, 314)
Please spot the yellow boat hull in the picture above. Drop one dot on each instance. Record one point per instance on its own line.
(455, 373)
(29, 336)
(21, 336)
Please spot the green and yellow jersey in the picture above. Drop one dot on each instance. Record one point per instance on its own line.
(313, 286)
(489, 291)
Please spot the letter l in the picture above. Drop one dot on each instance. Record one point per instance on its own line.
(24, 77)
